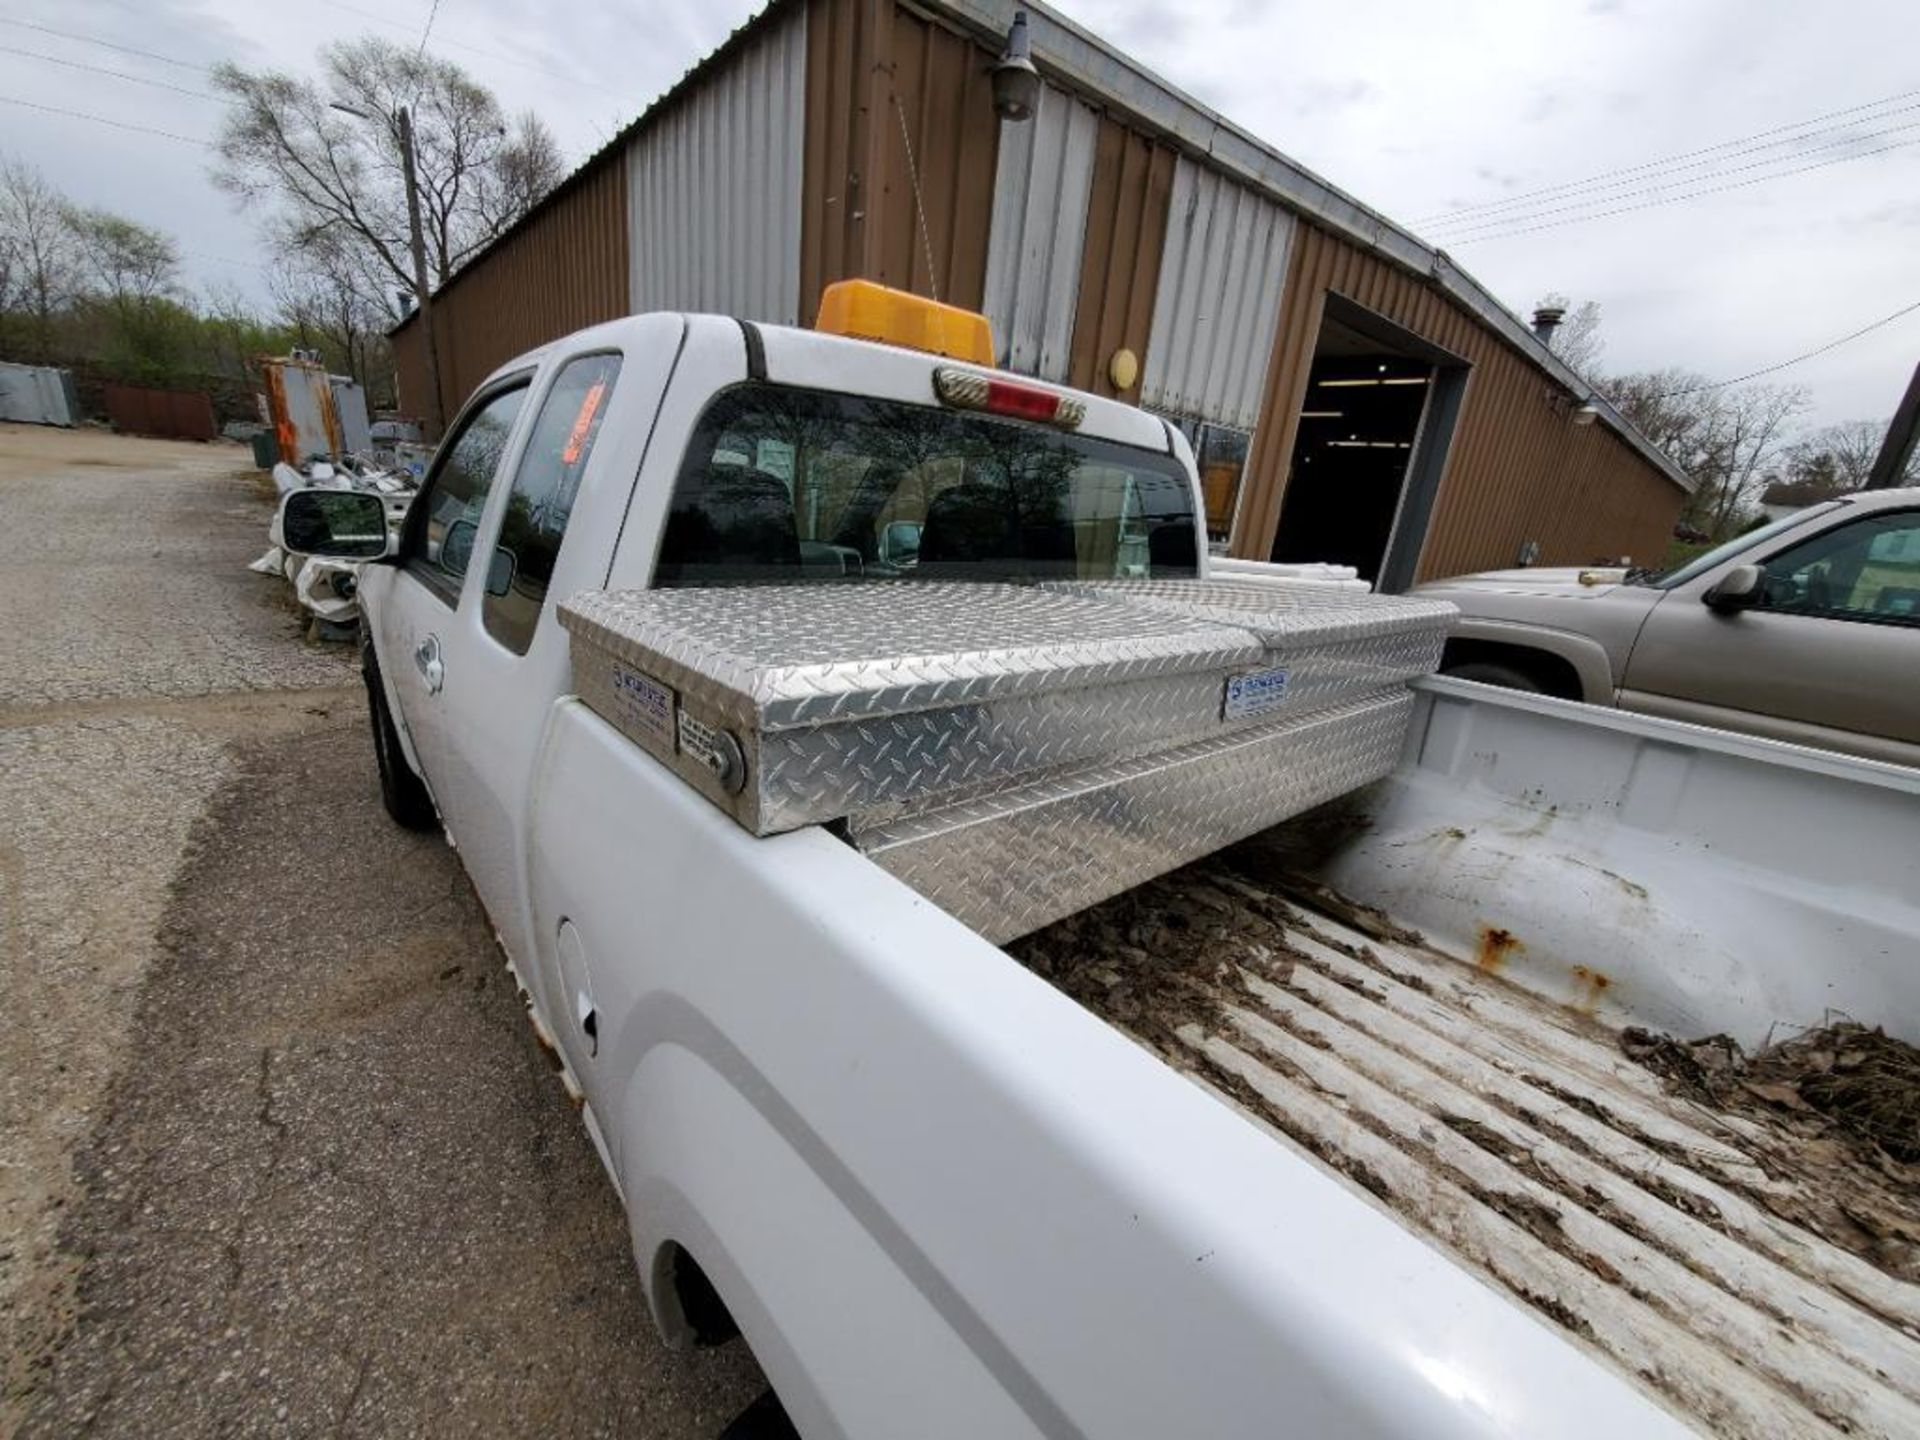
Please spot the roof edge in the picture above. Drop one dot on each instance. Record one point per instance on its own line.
(1097, 69)
(615, 148)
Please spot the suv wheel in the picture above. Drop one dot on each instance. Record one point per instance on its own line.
(1489, 672)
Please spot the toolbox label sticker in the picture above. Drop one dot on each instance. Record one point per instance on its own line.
(646, 702)
(1254, 693)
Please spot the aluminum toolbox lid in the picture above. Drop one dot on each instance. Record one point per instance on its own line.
(776, 657)
(1279, 613)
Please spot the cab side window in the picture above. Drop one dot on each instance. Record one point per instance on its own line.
(1866, 570)
(541, 500)
(440, 543)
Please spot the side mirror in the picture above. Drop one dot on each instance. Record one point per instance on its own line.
(900, 543)
(456, 555)
(500, 571)
(1741, 588)
(334, 524)
(456, 546)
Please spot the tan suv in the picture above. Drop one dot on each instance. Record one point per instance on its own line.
(1806, 630)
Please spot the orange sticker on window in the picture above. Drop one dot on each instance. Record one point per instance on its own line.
(577, 437)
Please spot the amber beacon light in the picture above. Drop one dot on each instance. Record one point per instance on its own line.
(862, 310)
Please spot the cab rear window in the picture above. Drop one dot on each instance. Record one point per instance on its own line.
(789, 484)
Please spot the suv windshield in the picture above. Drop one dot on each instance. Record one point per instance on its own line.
(1720, 554)
(787, 484)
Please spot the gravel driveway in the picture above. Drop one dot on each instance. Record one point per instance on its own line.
(278, 1153)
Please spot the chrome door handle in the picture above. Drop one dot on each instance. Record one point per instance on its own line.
(426, 658)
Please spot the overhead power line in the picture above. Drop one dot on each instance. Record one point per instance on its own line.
(103, 120)
(102, 70)
(571, 77)
(104, 44)
(1677, 199)
(1507, 201)
(1472, 230)
(1884, 320)
(433, 14)
(1851, 133)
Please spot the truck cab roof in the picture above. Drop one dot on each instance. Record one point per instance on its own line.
(814, 360)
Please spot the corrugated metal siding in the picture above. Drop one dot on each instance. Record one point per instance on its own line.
(1040, 192)
(1223, 265)
(1518, 470)
(169, 414)
(714, 188)
(880, 80)
(37, 395)
(565, 268)
(1120, 261)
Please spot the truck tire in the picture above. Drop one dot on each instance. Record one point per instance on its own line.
(764, 1419)
(1490, 672)
(401, 791)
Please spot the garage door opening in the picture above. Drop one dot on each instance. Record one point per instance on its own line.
(1376, 419)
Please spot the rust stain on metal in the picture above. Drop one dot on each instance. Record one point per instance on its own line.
(168, 414)
(1497, 947)
(1590, 987)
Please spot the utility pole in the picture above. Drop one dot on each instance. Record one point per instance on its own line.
(417, 242)
(422, 288)
(1897, 448)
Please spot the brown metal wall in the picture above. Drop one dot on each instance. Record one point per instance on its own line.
(875, 70)
(1120, 261)
(1518, 468)
(168, 414)
(565, 267)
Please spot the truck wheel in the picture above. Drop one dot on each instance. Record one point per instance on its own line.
(1488, 672)
(764, 1419)
(401, 791)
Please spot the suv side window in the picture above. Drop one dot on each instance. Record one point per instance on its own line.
(541, 500)
(1866, 570)
(440, 544)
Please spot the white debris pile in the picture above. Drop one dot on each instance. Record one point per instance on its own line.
(328, 589)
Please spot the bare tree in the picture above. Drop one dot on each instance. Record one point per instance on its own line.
(321, 294)
(1751, 426)
(337, 176)
(1576, 339)
(38, 249)
(1728, 440)
(1837, 458)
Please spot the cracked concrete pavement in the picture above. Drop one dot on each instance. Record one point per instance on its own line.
(278, 1153)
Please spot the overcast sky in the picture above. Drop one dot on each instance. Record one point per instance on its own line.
(1416, 110)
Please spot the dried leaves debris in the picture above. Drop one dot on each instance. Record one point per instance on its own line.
(1862, 1081)
(1835, 1109)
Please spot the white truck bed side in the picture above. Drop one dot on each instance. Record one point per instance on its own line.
(1006, 1219)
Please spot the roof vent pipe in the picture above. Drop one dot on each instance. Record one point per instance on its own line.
(1546, 320)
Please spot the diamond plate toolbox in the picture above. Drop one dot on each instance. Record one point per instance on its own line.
(1330, 645)
(1010, 862)
(792, 705)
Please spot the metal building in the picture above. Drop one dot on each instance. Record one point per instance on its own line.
(1351, 394)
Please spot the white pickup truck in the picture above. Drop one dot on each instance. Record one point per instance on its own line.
(1218, 1155)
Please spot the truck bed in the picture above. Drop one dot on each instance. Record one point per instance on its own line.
(1757, 1283)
